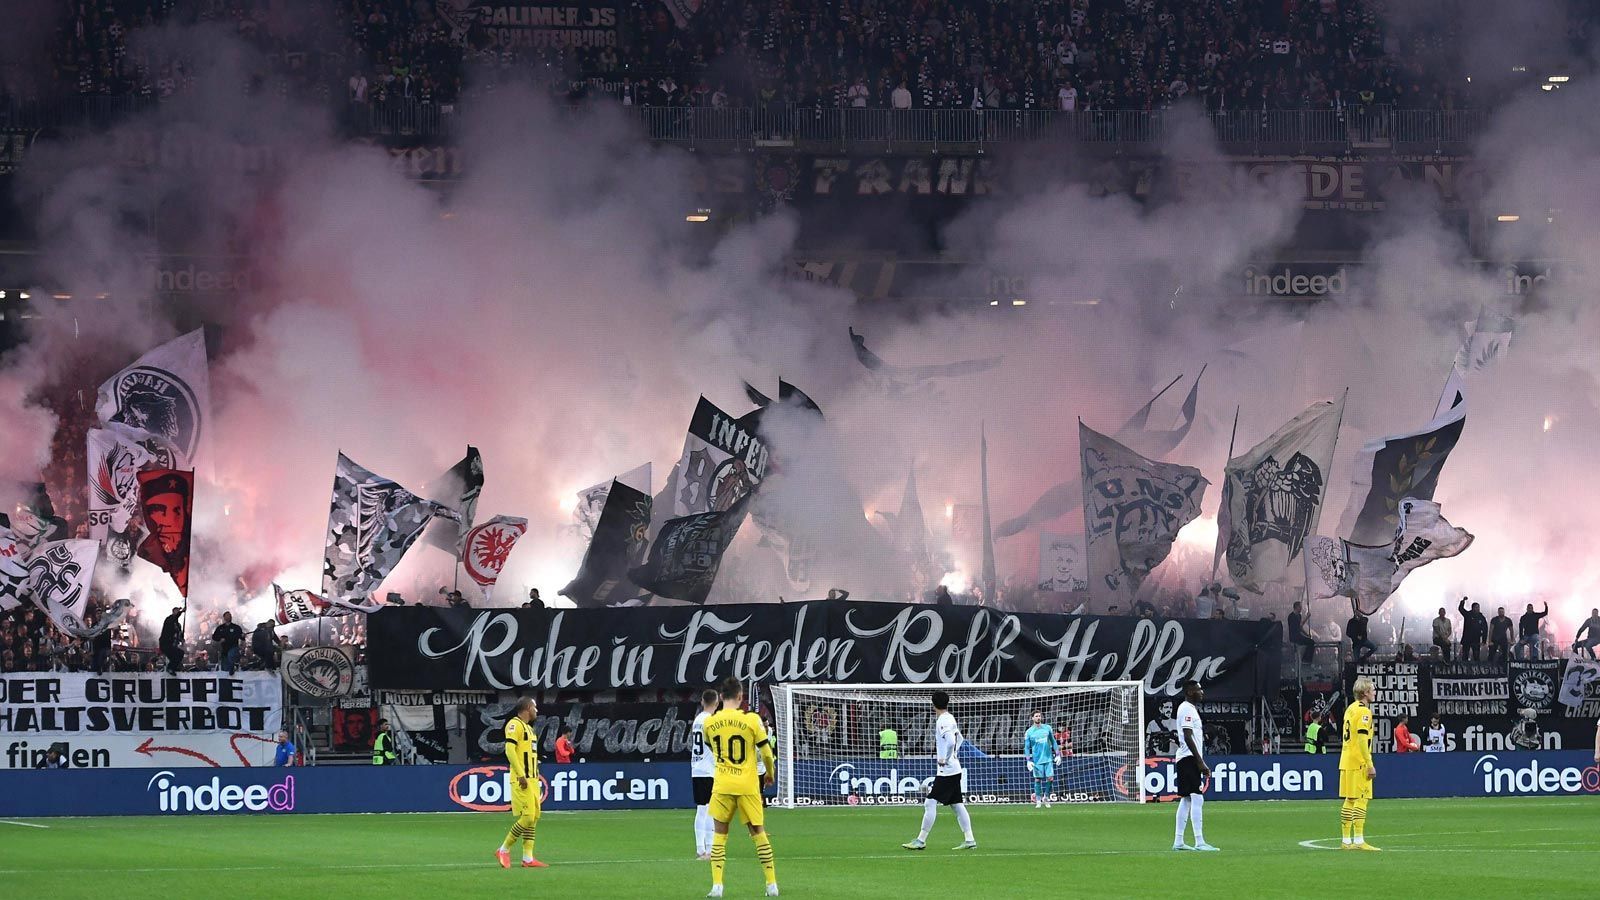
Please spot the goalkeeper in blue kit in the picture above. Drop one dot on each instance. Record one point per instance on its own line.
(1040, 749)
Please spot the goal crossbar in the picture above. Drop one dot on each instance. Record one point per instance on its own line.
(829, 748)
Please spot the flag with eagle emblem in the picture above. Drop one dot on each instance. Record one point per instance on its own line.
(487, 548)
(1272, 498)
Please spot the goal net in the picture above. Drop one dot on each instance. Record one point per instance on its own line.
(832, 749)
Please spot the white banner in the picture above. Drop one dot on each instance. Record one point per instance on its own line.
(81, 704)
(131, 751)
(1061, 563)
(113, 482)
(59, 575)
(1133, 508)
(1272, 498)
(166, 392)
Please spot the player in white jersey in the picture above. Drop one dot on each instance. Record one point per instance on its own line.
(1192, 769)
(702, 769)
(946, 787)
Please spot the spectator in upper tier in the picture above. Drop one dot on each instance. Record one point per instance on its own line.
(1528, 632)
(1591, 627)
(1404, 740)
(1442, 630)
(1474, 628)
(900, 98)
(1500, 636)
(1299, 633)
(1360, 644)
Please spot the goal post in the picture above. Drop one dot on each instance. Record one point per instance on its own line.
(829, 750)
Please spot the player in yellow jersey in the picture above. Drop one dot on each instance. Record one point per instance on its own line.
(522, 755)
(738, 741)
(1356, 771)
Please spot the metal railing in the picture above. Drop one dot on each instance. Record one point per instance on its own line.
(864, 130)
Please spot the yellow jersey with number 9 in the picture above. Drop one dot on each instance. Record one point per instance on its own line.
(1356, 752)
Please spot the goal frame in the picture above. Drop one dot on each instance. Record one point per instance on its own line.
(783, 695)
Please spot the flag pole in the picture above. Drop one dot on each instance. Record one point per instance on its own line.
(1221, 538)
(1169, 386)
(988, 533)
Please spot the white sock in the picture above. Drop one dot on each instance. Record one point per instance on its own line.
(702, 829)
(1183, 819)
(930, 809)
(1196, 803)
(963, 820)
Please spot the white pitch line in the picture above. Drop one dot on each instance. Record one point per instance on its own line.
(23, 824)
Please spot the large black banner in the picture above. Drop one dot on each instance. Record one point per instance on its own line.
(600, 731)
(1482, 706)
(436, 648)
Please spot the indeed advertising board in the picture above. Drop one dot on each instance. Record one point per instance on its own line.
(336, 789)
(1302, 777)
(373, 789)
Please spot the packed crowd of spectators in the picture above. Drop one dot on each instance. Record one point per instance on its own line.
(1021, 54)
(29, 642)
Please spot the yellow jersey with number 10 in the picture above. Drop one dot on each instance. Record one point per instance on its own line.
(738, 740)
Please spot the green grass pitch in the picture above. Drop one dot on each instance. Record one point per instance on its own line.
(1532, 848)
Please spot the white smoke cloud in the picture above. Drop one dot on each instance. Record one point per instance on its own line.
(554, 309)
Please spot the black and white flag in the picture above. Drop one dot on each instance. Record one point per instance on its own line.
(1133, 508)
(13, 580)
(59, 576)
(621, 534)
(687, 552)
(724, 460)
(114, 466)
(1338, 568)
(592, 499)
(1392, 468)
(1272, 498)
(1488, 339)
(1369, 574)
(167, 393)
(372, 522)
(1136, 432)
(297, 606)
(457, 490)
(904, 377)
(1061, 562)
